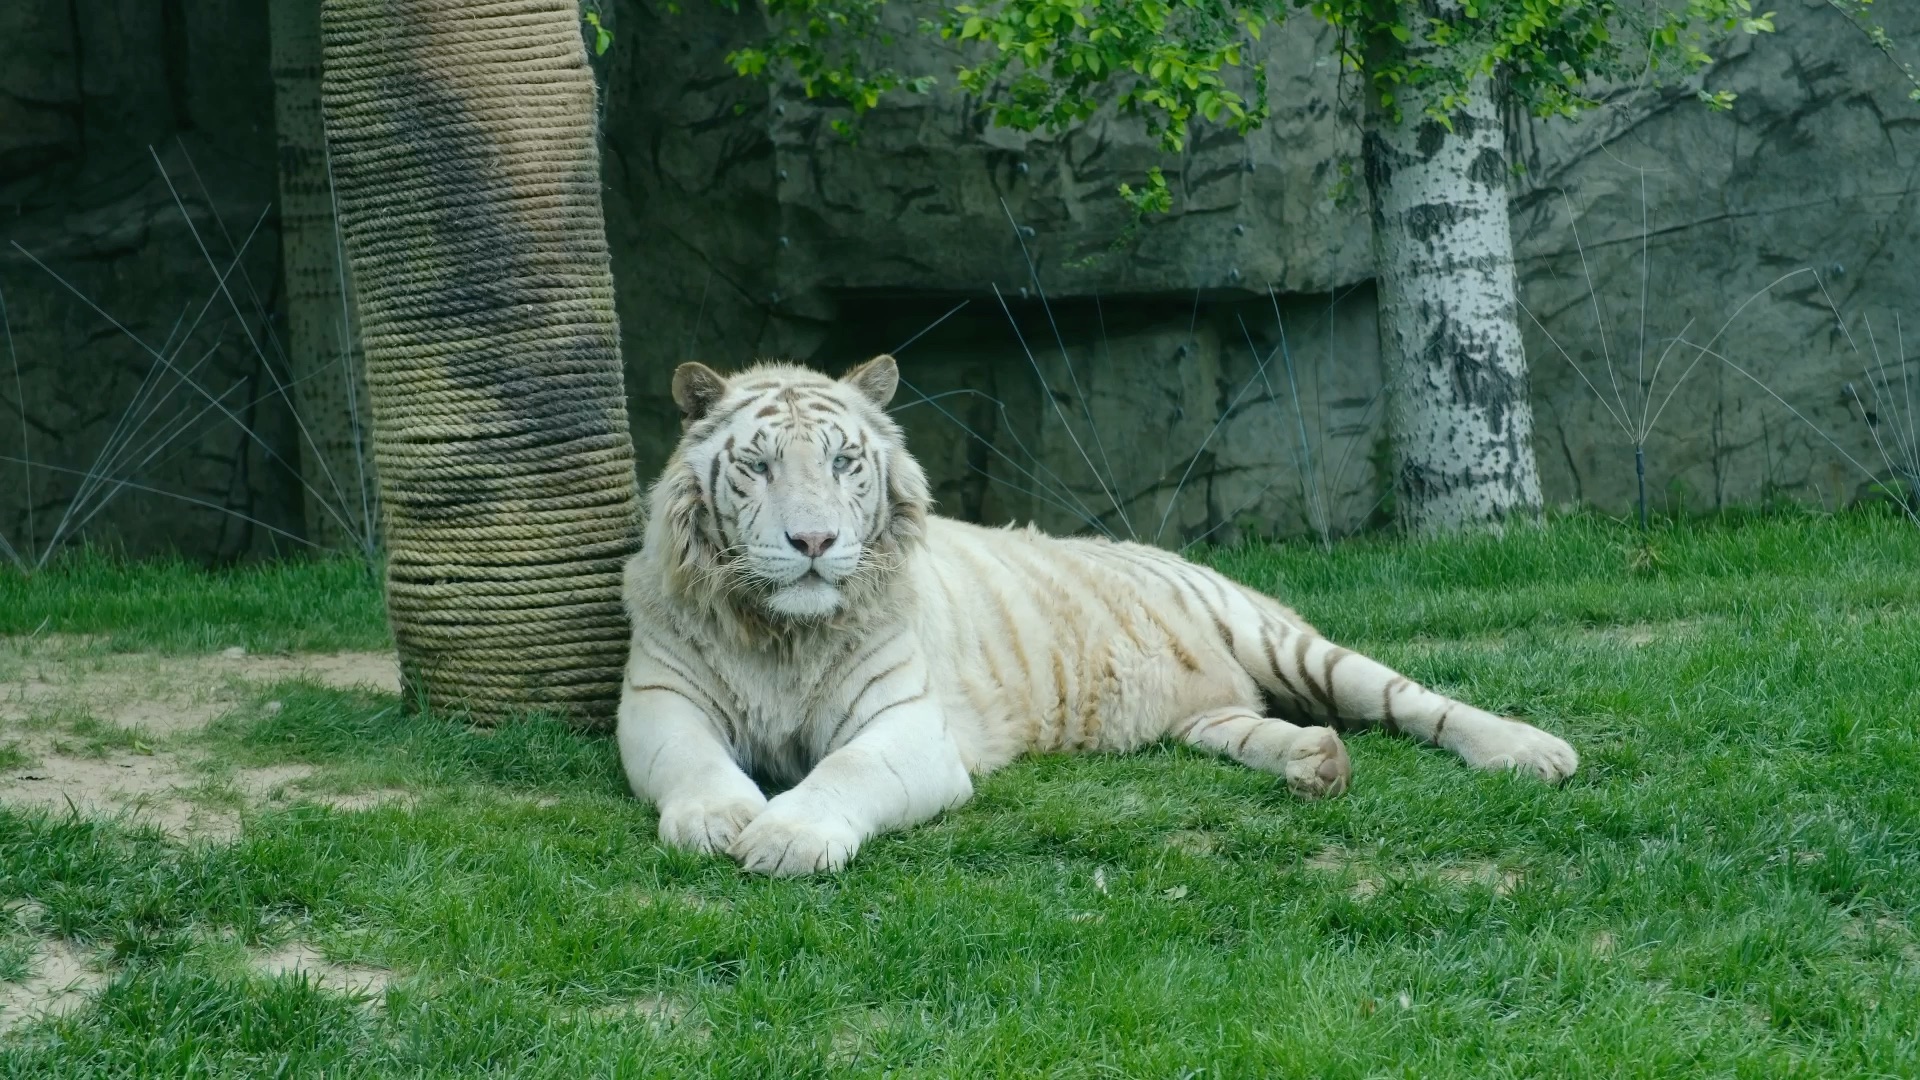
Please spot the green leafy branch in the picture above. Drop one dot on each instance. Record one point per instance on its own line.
(819, 43)
(602, 37)
(1860, 14)
(1549, 55)
(1052, 63)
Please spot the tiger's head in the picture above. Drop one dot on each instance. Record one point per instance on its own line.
(791, 495)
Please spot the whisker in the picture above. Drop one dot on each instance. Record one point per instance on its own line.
(930, 327)
(1193, 461)
(1047, 392)
(1086, 406)
(189, 499)
(26, 448)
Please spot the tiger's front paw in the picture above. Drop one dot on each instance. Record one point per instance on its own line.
(1316, 764)
(1526, 749)
(792, 838)
(708, 824)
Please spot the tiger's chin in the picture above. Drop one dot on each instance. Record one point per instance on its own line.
(811, 597)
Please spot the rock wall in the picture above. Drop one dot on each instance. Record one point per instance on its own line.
(1209, 374)
(829, 251)
(1808, 183)
(1154, 401)
(134, 364)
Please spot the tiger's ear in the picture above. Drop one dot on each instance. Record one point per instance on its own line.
(695, 388)
(878, 378)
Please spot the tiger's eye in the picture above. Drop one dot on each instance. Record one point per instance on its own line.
(842, 463)
(758, 468)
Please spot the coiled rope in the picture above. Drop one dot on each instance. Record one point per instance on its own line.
(468, 181)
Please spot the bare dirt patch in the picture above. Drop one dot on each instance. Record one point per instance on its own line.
(113, 734)
(1480, 872)
(854, 1036)
(662, 1012)
(62, 978)
(1369, 878)
(363, 800)
(162, 695)
(1639, 635)
(1193, 842)
(1634, 635)
(300, 958)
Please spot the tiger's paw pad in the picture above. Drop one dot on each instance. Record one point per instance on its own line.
(784, 842)
(1316, 764)
(706, 826)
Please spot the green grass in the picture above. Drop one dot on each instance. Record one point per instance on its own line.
(173, 607)
(1728, 887)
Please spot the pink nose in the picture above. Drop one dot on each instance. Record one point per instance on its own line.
(812, 545)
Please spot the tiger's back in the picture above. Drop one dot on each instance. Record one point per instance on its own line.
(1058, 644)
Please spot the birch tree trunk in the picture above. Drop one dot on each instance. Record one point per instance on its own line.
(1458, 414)
(323, 352)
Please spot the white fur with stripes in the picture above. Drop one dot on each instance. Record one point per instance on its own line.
(799, 615)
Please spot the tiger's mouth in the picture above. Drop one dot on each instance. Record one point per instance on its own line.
(809, 596)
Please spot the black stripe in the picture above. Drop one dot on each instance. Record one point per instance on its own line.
(704, 430)
(919, 695)
(1334, 656)
(1386, 701)
(712, 494)
(671, 663)
(854, 705)
(1300, 661)
(1273, 661)
(1152, 566)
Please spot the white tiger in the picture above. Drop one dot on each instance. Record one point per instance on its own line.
(798, 614)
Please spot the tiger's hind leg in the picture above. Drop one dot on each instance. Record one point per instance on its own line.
(1297, 666)
(1350, 690)
(1312, 760)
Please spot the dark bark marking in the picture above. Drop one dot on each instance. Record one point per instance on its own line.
(1488, 168)
(1429, 220)
(1430, 137)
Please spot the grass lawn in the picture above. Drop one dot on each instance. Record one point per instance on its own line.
(1728, 887)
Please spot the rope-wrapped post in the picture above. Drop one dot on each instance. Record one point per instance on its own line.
(468, 178)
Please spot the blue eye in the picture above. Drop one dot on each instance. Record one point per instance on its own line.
(758, 468)
(842, 463)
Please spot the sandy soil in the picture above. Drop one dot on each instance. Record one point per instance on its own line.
(53, 692)
(114, 735)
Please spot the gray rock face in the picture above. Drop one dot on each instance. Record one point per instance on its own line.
(1149, 396)
(1155, 401)
(830, 251)
(1813, 171)
(85, 91)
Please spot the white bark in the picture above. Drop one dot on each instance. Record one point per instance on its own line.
(323, 351)
(1458, 413)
